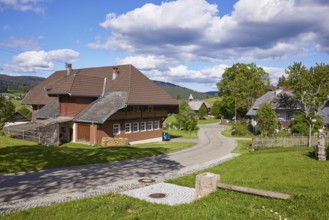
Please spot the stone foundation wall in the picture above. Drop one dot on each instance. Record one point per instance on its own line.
(49, 135)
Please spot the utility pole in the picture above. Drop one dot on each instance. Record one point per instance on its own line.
(310, 131)
(234, 109)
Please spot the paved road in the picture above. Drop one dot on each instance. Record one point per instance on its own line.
(211, 145)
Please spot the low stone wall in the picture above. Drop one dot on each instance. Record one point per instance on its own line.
(49, 135)
(112, 142)
(276, 142)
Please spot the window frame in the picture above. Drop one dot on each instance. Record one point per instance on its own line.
(151, 127)
(118, 128)
(135, 125)
(128, 125)
(143, 123)
(156, 125)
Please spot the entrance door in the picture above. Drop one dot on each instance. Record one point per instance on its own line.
(83, 133)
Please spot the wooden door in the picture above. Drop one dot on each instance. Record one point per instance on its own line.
(83, 133)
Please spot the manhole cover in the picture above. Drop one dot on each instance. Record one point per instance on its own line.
(157, 195)
(146, 180)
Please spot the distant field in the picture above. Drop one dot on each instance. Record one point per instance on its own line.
(17, 103)
(212, 100)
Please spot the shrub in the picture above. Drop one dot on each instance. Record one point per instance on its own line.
(240, 129)
(202, 112)
(300, 124)
(186, 118)
(266, 120)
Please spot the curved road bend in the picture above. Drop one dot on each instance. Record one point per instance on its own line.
(211, 145)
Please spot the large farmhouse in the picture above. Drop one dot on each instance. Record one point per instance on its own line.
(92, 103)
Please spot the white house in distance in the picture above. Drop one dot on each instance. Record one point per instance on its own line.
(195, 105)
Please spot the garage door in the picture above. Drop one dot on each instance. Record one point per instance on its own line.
(83, 133)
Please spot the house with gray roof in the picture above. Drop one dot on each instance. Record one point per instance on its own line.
(113, 101)
(195, 105)
(282, 103)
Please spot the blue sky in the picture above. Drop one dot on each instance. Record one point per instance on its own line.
(186, 42)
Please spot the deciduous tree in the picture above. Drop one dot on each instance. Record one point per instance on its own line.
(266, 119)
(310, 86)
(243, 83)
(186, 118)
(202, 112)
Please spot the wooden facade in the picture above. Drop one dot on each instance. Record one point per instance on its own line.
(71, 106)
(135, 123)
(100, 105)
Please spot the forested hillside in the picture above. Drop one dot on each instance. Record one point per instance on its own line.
(180, 92)
(21, 84)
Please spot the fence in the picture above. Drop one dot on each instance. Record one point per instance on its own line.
(276, 142)
(24, 134)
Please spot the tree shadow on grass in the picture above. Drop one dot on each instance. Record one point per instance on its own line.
(142, 163)
(38, 157)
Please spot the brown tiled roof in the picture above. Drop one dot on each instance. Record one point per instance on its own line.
(90, 82)
(142, 90)
(79, 85)
(38, 95)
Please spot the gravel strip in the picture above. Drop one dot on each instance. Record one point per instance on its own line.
(108, 188)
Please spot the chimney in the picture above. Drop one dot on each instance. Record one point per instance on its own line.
(115, 73)
(68, 68)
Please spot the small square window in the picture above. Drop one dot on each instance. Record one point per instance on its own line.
(143, 126)
(150, 125)
(135, 127)
(116, 129)
(156, 125)
(128, 128)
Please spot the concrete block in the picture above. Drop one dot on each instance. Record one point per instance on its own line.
(205, 184)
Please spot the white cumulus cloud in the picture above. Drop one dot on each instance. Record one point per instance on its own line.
(31, 61)
(144, 62)
(189, 30)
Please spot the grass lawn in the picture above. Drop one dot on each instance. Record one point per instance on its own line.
(208, 120)
(286, 170)
(228, 133)
(182, 134)
(243, 147)
(18, 155)
(187, 134)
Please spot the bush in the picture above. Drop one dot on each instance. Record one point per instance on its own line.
(300, 124)
(202, 112)
(240, 129)
(266, 119)
(186, 118)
